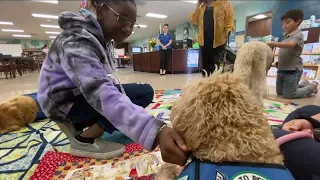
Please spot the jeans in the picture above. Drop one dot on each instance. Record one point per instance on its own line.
(40, 115)
(301, 156)
(82, 114)
(288, 85)
(164, 58)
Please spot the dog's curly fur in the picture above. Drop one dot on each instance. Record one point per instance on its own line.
(17, 112)
(252, 64)
(221, 120)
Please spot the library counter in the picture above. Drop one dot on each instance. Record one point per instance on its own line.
(181, 61)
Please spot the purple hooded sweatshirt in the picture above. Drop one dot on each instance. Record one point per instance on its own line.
(78, 62)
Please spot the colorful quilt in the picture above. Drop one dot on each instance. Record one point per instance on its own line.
(42, 142)
(21, 151)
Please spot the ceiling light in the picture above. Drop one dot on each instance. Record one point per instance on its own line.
(20, 35)
(140, 26)
(49, 26)
(48, 32)
(12, 30)
(47, 1)
(156, 15)
(52, 37)
(192, 2)
(132, 32)
(45, 16)
(260, 16)
(6, 23)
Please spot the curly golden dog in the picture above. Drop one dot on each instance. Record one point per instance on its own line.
(17, 112)
(221, 121)
(252, 63)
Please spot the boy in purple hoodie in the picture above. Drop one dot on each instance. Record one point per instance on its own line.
(76, 86)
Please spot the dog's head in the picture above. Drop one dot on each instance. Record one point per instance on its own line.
(222, 121)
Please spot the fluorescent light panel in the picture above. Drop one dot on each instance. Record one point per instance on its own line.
(12, 30)
(260, 16)
(21, 35)
(192, 2)
(47, 1)
(6, 23)
(141, 26)
(44, 16)
(156, 15)
(49, 32)
(52, 37)
(49, 26)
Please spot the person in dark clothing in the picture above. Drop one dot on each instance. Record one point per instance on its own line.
(212, 38)
(301, 156)
(164, 40)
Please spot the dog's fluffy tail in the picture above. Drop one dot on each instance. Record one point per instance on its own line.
(243, 65)
(168, 171)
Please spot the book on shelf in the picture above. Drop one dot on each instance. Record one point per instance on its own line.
(316, 48)
(307, 48)
(309, 73)
(305, 59)
(314, 59)
(266, 38)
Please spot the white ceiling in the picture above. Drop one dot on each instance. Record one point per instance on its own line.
(19, 12)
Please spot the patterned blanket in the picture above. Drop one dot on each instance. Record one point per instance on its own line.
(43, 143)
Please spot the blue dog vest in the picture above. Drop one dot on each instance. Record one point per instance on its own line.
(204, 170)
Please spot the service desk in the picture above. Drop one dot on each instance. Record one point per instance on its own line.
(181, 61)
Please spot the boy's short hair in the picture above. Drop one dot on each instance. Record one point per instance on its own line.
(166, 25)
(294, 14)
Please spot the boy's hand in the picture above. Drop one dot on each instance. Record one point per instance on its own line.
(270, 43)
(173, 147)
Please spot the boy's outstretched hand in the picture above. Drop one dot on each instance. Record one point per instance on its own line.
(173, 147)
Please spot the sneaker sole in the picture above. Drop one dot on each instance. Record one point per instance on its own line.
(104, 156)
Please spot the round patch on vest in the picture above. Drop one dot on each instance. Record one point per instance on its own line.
(249, 176)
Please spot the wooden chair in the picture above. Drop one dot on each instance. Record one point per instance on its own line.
(10, 64)
(5, 66)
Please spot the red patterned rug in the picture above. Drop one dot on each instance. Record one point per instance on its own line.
(51, 161)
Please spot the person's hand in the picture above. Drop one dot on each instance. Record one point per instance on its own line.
(173, 147)
(270, 43)
(164, 47)
(298, 125)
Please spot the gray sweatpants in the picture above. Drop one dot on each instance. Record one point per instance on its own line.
(288, 84)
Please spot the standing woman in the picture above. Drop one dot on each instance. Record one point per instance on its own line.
(164, 40)
(215, 19)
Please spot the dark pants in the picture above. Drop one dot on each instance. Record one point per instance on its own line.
(164, 58)
(208, 55)
(83, 115)
(302, 156)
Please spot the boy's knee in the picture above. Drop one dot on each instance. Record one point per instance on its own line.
(288, 96)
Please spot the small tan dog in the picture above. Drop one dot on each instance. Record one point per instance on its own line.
(252, 63)
(221, 121)
(17, 112)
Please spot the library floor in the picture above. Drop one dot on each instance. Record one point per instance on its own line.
(28, 83)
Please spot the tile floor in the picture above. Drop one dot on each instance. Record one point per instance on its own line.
(28, 83)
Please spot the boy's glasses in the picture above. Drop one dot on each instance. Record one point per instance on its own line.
(121, 19)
